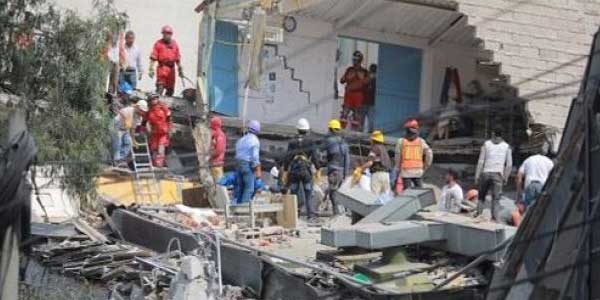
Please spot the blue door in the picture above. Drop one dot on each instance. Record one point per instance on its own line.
(398, 86)
(223, 77)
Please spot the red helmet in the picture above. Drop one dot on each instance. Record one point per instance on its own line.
(411, 124)
(167, 29)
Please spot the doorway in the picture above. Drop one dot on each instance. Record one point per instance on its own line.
(398, 80)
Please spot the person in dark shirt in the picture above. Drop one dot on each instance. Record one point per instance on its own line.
(368, 108)
(337, 160)
(299, 165)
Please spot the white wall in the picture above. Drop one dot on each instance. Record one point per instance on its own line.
(311, 51)
(146, 19)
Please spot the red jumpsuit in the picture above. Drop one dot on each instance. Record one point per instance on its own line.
(167, 55)
(159, 116)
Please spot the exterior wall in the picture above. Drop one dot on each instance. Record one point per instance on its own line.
(310, 50)
(543, 46)
(146, 19)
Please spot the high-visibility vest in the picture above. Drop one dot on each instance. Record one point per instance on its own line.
(412, 154)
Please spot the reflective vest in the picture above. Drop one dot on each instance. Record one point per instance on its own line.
(412, 154)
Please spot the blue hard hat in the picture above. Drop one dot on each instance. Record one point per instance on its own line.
(254, 126)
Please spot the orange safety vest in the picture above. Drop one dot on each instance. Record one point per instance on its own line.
(412, 154)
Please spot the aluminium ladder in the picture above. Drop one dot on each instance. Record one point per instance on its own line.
(146, 188)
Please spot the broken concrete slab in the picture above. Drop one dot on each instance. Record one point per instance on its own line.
(401, 207)
(380, 236)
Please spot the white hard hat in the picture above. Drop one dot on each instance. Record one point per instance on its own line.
(142, 105)
(274, 172)
(303, 124)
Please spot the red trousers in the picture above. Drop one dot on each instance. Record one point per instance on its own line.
(158, 143)
(165, 76)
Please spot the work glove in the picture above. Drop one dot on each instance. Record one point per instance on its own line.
(151, 72)
(181, 72)
(356, 175)
(284, 178)
(258, 171)
(317, 177)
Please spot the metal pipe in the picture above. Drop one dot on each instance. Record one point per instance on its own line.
(218, 246)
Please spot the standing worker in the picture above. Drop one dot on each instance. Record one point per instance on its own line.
(535, 170)
(413, 156)
(166, 53)
(493, 170)
(356, 80)
(218, 144)
(338, 160)
(247, 154)
(159, 118)
(298, 166)
(379, 163)
(131, 71)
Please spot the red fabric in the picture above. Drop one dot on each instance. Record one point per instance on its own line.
(218, 145)
(158, 118)
(356, 80)
(218, 142)
(167, 55)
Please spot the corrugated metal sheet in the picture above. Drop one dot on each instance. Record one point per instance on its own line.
(428, 20)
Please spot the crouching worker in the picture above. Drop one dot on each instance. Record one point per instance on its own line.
(379, 163)
(452, 199)
(234, 180)
(247, 154)
(299, 163)
(159, 118)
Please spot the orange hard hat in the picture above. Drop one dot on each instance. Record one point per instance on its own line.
(167, 29)
(411, 123)
(472, 195)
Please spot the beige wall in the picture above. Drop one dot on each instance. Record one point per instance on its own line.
(542, 45)
(146, 19)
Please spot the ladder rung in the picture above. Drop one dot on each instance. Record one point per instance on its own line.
(143, 164)
(143, 170)
(141, 154)
(145, 174)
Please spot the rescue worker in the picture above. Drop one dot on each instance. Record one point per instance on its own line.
(452, 199)
(337, 160)
(379, 163)
(299, 165)
(159, 118)
(247, 154)
(532, 176)
(218, 146)
(356, 78)
(166, 53)
(413, 156)
(512, 217)
(121, 138)
(493, 170)
(141, 111)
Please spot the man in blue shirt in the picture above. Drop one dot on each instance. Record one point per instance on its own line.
(247, 154)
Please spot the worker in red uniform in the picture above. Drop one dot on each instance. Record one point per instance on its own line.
(218, 146)
(166, 53)
(159, 118)
(356, 80)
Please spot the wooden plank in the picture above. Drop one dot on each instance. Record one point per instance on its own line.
(288, 218)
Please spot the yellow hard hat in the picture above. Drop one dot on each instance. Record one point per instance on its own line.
(377, 136)
(334, 124)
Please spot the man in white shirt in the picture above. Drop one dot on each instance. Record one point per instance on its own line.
(121, 140)
(131, 71)
(452, 198)
(535, 170)
(493, 169)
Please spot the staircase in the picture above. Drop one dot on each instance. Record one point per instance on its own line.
(292, 70)
(146, 187)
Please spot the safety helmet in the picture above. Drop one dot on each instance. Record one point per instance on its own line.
(142, 105)
(472, 195)
(303, 125)
(334, 124)
(274, 172)
(216, 122)
(411, 124)
(254, 126)
(377, 136)
(167, 29)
